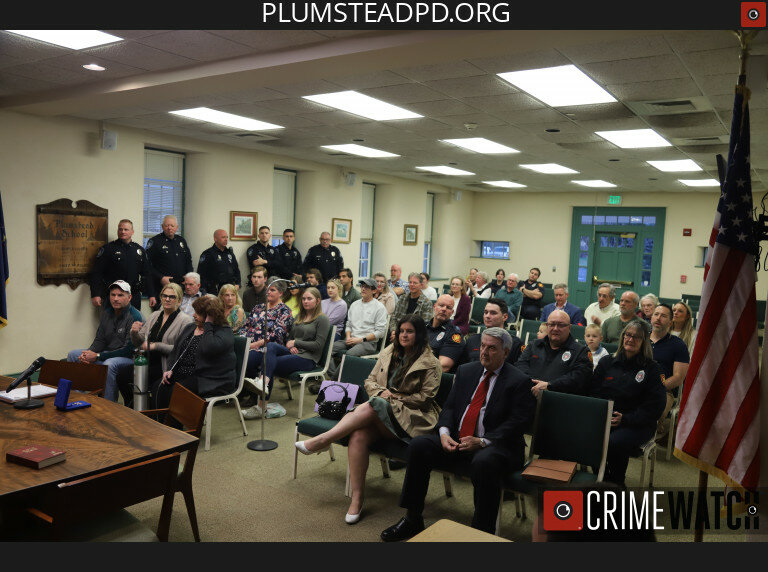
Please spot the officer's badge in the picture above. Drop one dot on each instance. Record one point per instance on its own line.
(218, 256)
(165, 247)
(566, 356)
(149, 244)
(271, 251)
(440, 336)
(456, 338)
(181, 244)
(139, 251)
(229, 256)
(333, 254)
(640, 376)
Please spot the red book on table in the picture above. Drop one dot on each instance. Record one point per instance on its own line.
(35, 456)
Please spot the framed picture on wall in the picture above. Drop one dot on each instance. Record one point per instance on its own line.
(342, 230)
(410, 234)
(242, 225)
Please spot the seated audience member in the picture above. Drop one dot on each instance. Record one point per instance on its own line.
(334, 307)
(383, 293)
(494, 316)
(592, 337)
(480, 433)
(414, 303)
(396, 283)
(682, 324)
(233, 307)
(203, 358)
(612, 327)
(469, 282)
(671, 353)
(532, 291)
(542, 332)
(291, 264)
(402, 386)
(278, 324)
(632, 379)
(561, 303)
(158, 334)
(256, 293)
(192, 291)
(648, 304)
(348, 292)
(482, 286)
(444, 337)
(462, 305)
(292, 299)
(305, 342)
(511, 295)
(367, 321)
(325, 257)
(218, 264)
(429, 292)
(557, 361)
(112, 345)
(315, 279)
(500, 281)
(604, 308)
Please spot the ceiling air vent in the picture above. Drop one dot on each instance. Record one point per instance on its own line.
(669, 106)
(711, 140)
(258, 137)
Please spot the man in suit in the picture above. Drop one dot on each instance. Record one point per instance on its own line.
(481, 429)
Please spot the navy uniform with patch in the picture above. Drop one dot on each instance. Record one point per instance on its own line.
(445, 340)
(117, 260)
(168, 257)
(472, 349)
(327, 260)
(567, 369)
(290, 261)
(268, 253)
(218, 267)
(531, 309)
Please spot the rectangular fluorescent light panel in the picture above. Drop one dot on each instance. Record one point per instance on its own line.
(634, 138)
(594, 183)
(549, 169)
(362, 105)
(679, 166)
(700, 182)
(226, 119)
(361, 150)
(504, 184)
(559, 86)
(481, 145)
(445, 170)
(74, 39)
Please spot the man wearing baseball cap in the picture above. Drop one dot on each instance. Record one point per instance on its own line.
(112, 345)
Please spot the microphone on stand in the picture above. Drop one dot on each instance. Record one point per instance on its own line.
(34, 366)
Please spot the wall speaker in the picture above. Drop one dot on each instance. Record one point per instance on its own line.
(109, 140)
(457, 195)
(350, 178)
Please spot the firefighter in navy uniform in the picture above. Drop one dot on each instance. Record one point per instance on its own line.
(444, 337)
(218, 265)
(533, 292)
(169, 256)
(122, 259)
(290, 257)
(262, 253)
(325, 257)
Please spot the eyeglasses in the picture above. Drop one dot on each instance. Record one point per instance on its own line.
(556, 325)
(168, 296)
(629, 336)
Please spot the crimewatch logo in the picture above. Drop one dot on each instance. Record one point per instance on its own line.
(753, 15)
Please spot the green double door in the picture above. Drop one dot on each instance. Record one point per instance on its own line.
(618, 245)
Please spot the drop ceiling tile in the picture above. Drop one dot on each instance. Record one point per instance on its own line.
(520, 61)
(509, 102)
(488, 84)
(196, 45)
(720, 84)
(294, 105)
(369, 80)
(255, 94)
(712, 62)
(15, 49)
(441, 108)
(655, 90)
(307, 88)
(270, 40)
(546, 117)
(404, 94)
(335, 118)
(630, 71)
(652, 45)
(433, 72)
(482, 120)
(12, 84)
(138, 56)
(690, 41)
(597, 112)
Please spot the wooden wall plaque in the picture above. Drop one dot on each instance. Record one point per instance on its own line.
(68, 237)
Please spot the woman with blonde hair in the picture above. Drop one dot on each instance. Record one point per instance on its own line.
(233, 307)
(334, 307)
(461, 304)
(682, 324)
(383, 294)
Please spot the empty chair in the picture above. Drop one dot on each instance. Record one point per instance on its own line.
(86, 377)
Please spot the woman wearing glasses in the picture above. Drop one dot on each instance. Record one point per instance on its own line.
(632, 379)
(159, 333)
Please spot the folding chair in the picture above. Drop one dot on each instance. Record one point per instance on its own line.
(476, 312)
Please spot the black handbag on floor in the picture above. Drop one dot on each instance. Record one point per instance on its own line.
(329, 409)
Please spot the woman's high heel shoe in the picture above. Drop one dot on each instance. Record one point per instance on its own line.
(353, 518)
(303, 448)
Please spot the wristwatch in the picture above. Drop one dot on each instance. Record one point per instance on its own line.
(483, 443)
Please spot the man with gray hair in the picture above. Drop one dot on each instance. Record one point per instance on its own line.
(169, 256)
(604, 308)
(192, 291)
(512, 296)
(561, 303)
(415, 302)
(480, 433)
(612, 327)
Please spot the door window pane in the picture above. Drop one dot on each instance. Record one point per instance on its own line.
(610, 219)
(646, 278)
(649, 220)
(586, 219)
(599, 220)
(634, 219)
(582, 275)
(646, 261)
(648, 245)
(584, 243)
(623, 220)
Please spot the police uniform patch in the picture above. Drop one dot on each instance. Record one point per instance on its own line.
(440, 336)
(149, 244)
(456, 338)
(589, 355)
(100, 252)
(202, 258)
(640, 376)
(230, 257)
(541, 285)
(566, 356)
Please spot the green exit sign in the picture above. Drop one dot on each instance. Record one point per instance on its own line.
(614, 199)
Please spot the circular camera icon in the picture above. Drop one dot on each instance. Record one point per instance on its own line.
(753, 14)
(752, 510)
(563, 510)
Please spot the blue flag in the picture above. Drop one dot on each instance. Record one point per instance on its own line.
(3, 270)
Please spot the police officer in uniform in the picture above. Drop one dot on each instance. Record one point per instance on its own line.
(557, 361)
(495, 315)
(290, 257)
(262, 253)
(169, 255)
(444, 337)
(325, 257)
(218, 265)
(122, 259)
(533, 291)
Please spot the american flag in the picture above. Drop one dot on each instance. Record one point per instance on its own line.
(719, 427)
(3, 271)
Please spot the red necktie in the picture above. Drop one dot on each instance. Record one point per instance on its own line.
(469, 423)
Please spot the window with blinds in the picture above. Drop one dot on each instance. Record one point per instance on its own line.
(366, 230)
(428, 233)
(163, 190)
(283, 203)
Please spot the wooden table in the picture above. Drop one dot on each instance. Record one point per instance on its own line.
(449, 531)
(104, 436)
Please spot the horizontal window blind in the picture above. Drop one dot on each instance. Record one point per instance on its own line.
(163, 190)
